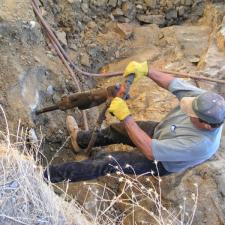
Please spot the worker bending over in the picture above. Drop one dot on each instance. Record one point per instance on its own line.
(189, 135)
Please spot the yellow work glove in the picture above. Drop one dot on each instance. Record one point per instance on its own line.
(119, 108)
(139, 69)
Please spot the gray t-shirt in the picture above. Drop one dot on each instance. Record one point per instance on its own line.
(177, 143)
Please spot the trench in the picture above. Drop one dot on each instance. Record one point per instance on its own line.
(105, 36)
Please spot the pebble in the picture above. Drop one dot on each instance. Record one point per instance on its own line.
(32, 24)
(125, 29)
(139, 6)
(117, 12)
(50, 90)
(62, 36)
(60, 131)
(84, 7)
(37, 59)
(84, 60)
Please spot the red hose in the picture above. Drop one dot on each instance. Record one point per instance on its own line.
(61, 53)
(55, 40)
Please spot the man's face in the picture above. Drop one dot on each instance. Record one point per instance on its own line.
(200, 125)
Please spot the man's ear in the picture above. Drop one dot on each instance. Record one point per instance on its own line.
(207, 126)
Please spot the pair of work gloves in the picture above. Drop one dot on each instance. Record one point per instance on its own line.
(118, 106)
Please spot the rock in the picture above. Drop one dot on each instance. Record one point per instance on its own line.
(176, 2)
(11, 185)
(199, 180)
(92, 25)
(188, 2)
(99, 3)
(169, 5)
(73, 46)
(221, 184)
(139, 6)
(85, 7)
(112, 3)
(181, 10)
(62, 37)
(153, 19)
(193, 40)
(194, 60)
(128, 9)
(117, 54)
(171, 14)
(117, 12)
(85, 61)
(213, 59)
(71, 1)
(220, 39)
(37, 59)
(163, 3)
(80, 25)
(125, 30)
(50, 90)
(89, 195)
(77, 2)
(32, 24)
(151, 3)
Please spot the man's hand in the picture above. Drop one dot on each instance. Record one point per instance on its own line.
(139, 69)
(119, 108)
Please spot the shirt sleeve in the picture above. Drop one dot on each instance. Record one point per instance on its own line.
(182, 89)
(178, 149)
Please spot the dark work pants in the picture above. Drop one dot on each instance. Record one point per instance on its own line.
(104, 163)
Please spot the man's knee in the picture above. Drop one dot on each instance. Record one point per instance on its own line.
(53, 174)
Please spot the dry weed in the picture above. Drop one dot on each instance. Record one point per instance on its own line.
(26, 199)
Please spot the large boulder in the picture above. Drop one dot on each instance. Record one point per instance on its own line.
(152, 19)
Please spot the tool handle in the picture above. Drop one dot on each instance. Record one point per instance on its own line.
(101, 118)
(129, 82)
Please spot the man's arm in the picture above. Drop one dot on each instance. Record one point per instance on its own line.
(119, 108)
(162, 79)
(136, 134)
(138, 137)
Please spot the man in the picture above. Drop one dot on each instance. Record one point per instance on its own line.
(189, 135)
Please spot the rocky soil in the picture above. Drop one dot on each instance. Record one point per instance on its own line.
(182, 35)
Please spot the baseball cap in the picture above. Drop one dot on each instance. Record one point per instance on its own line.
(208, 106)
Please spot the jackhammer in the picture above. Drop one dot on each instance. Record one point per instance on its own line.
(89, 99)
(84, 100)
(120, 90)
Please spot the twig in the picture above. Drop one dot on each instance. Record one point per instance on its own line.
(13, 219)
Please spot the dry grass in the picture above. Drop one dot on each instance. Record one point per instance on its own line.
(138, 195)
(26, 199)
(24, 196)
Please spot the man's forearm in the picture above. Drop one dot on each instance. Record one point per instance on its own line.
(162, 79)
(139, 137)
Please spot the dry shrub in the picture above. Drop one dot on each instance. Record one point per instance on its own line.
(135, 192)
(26, 198)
